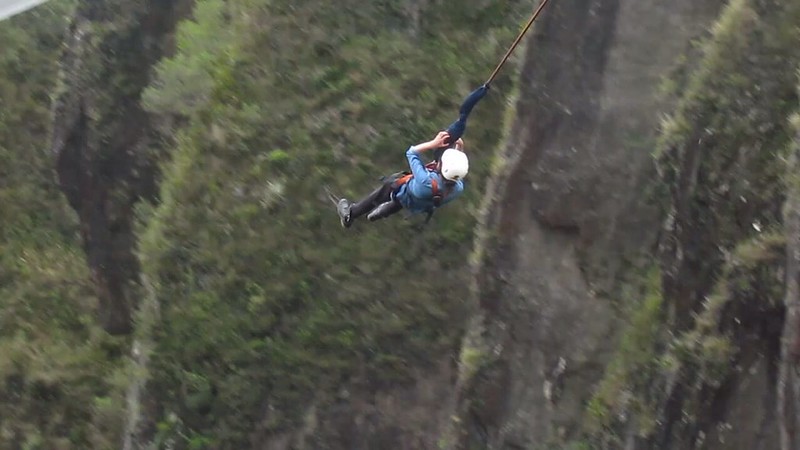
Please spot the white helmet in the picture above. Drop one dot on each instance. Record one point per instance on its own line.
(455, 164)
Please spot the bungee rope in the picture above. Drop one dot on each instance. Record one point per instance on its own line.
(516, 42)
(457, 128)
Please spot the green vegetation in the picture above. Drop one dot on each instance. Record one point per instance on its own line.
(259, 305)
(623, 390)
(58, 370)
(731, 120)
(265, 299)
(632, 388)
(722, 157)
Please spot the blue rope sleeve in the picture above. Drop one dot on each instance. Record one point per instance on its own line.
(457, 128)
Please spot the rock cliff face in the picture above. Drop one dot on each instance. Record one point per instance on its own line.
(788, 394)
(578, 210)
(102, 137)
(566, 214)
(723, 251)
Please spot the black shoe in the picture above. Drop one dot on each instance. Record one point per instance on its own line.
(384, 210)
(343, 208)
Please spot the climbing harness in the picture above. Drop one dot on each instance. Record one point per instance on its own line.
(400, 178)
(404, 177)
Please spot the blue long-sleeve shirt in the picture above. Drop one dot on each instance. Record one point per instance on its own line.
(417, 194)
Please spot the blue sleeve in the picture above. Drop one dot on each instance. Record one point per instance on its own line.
(420, 185)
(456, 129)
(421, 175)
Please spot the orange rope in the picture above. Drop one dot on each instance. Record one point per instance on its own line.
(519, 38)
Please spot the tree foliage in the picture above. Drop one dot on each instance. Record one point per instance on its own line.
(57, 368)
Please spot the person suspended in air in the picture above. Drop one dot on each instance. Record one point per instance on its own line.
(424, 187)
(427, 187)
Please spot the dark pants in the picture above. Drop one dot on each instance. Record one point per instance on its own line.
(374, 199)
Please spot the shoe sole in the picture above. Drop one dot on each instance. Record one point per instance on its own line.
(343, 208)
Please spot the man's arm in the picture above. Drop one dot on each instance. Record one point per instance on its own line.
(437, 142)
(415, 162)
(416, 165)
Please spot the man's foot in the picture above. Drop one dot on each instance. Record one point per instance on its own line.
(343, 208)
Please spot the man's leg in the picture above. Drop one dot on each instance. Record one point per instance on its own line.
(385, 209)
(348, 211)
